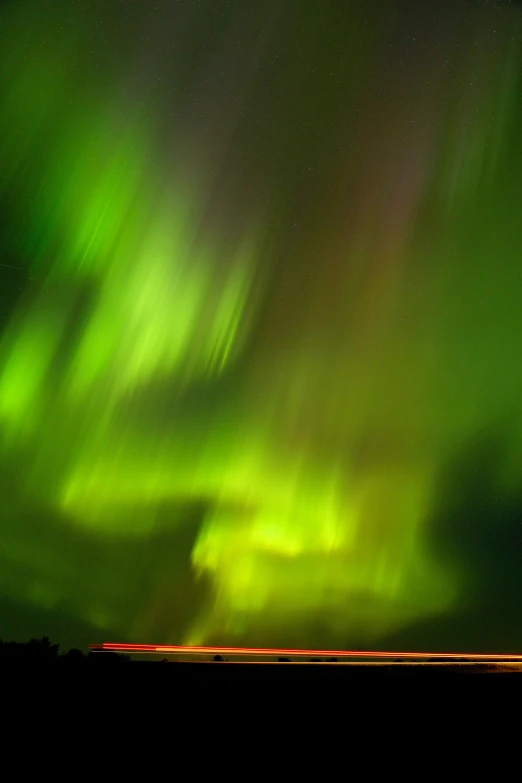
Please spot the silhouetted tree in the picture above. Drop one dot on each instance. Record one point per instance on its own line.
(73, 656)
(42, 649)
(33, 651)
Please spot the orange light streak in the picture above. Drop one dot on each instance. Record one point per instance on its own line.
(276, 651)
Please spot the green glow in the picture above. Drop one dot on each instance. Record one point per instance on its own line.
(290, 380)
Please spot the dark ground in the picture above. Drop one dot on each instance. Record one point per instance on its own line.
(145, 685)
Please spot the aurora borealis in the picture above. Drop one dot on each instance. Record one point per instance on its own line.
(261, 315)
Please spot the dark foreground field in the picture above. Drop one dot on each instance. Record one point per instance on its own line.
(143, 681)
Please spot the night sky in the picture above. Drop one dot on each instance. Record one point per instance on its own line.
(261, 322)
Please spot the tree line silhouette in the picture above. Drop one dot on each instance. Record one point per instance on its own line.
(44, 651)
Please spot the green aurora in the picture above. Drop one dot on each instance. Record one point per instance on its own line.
(260, 290)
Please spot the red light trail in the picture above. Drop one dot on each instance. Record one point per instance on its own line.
(277, 651)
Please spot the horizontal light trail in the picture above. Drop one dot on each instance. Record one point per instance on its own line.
(275, 651)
